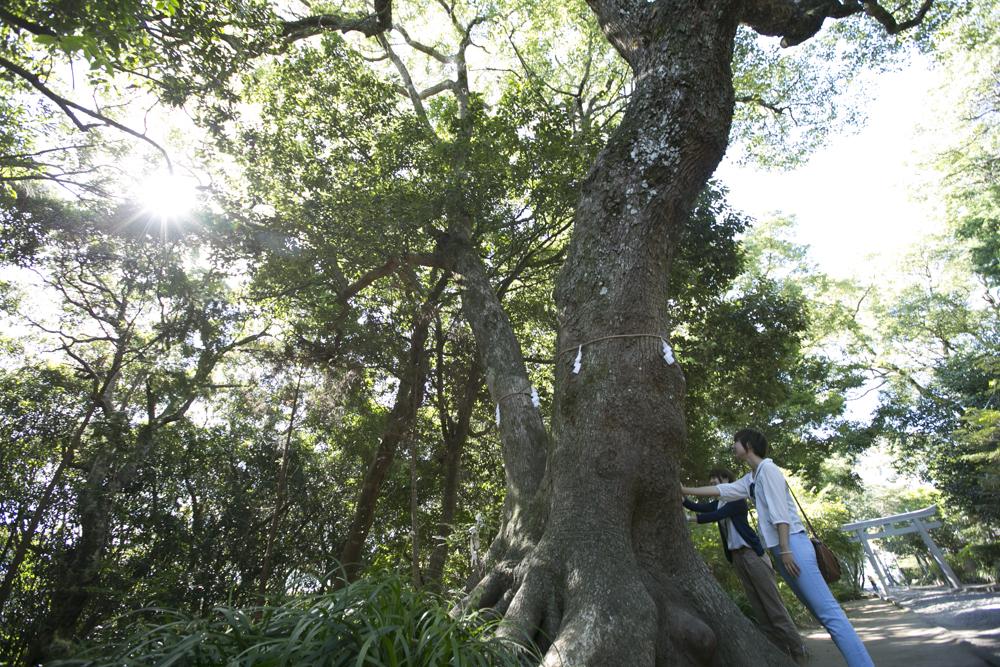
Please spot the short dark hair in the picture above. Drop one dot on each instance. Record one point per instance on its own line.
(722, 473)
(755, 440)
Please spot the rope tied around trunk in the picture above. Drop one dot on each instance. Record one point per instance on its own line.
(535, 401)
(668, 356)
(668, 352)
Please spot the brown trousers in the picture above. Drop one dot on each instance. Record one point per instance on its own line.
(758, 579)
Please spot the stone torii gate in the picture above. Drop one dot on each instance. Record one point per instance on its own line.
(918, 521)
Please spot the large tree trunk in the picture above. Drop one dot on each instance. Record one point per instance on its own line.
(606, 573)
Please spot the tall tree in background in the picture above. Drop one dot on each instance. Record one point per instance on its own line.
(145, 335)
(935, 342)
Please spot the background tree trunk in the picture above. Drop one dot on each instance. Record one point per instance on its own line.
(280, 500)
(456, 433)
(21, 550)
(409, 398)
(415, 575)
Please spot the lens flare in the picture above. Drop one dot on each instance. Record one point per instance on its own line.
(167, 196)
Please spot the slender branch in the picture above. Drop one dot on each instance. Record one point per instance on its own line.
(532, 75)
(68, 107)
(540, 360)
(761, 102)
(206, 365)
(423, 48)
(23, 156)
(888, 21)
(409, 87)
(857, 307)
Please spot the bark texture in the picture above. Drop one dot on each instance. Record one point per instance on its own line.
(594, 563)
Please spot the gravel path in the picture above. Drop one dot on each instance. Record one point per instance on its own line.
(972, 614)
(895, 637)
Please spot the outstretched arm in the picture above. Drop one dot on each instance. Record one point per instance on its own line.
(700, 507)
(703, 491)
(727, 511)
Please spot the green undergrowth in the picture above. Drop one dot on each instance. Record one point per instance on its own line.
(369, 623)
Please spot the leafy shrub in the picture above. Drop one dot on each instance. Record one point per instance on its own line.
(372, 622)
(978, 563)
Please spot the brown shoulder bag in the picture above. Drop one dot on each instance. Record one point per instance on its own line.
(829, 565)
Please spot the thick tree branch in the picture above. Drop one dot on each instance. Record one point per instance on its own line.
(390, 266)
(369, 25)
(439, 87)
(795, 21)
(424, 259)
(369, 277)
(625, 24)
(25, 24)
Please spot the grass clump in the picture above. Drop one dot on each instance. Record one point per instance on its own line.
(369, 623)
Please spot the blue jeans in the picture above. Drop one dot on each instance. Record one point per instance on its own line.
(812, 591)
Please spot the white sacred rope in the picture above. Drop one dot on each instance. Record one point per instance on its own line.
(668, 356)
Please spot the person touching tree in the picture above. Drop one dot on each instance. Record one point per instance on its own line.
(786, 537)
(743, 549)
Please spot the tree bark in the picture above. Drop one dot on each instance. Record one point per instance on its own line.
(611, 577)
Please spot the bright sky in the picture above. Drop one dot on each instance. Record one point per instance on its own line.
(856, 197)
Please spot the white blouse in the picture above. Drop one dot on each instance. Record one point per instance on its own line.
(772, 498)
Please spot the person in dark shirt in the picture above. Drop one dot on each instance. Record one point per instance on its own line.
(743, 549)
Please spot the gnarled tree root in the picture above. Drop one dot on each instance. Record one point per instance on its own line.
(591, 608)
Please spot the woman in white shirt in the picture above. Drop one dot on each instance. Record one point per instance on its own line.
(784, 534)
